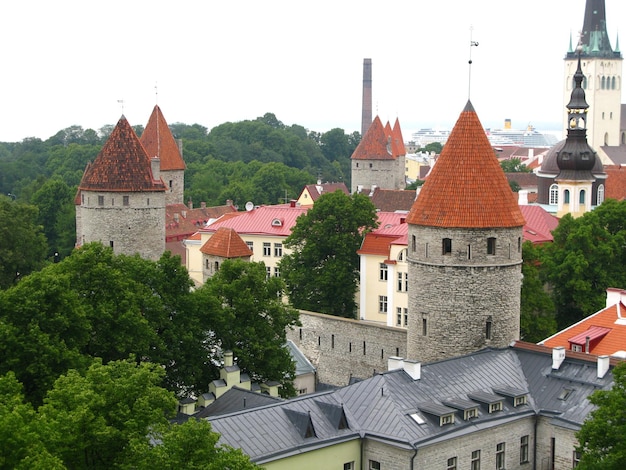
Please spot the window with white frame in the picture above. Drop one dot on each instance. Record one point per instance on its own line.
(495, 407)
(575, 459)
(251, 246)
(382, 304)
(267, 249)
(554, 195)
(399, 316)
(403, 282)
(406, 316)
(382, 272)
(278, 250)
(451, 465)
(374, 465)
(600, 196)
(348, 466)
(276, 271)
(268, 272)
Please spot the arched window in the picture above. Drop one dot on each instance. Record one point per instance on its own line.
(584, 82)
(600, 194)
(581, 196)
(554, 195)
(606, 138)
(623, 137)
(566, 196)
(613, 83)
(603, 83)
(217, 266)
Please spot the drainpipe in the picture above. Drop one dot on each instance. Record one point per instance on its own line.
(413, 459)
(535, 443)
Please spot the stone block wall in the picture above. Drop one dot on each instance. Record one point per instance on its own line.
(385, 174)
(340, 348)
(138, 227)
(175, 184)
(465, 300)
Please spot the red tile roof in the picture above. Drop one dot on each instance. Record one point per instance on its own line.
(390, 200)
(158, 141)
(181, 222)
(608, 327)
(466, 187)
(375, 144)
(226, 243)
(121, 165)
(615, 182)
(265, 220)
(398, 139)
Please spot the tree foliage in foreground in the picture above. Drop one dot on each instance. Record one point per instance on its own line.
(322, 271)
(602, 437)
(94, 304)
(586, 257)
(110, 416)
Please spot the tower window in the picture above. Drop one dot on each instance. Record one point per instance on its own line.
(413, 243)
(101, 200)
(125, 200)
(469, 251)
(371, 165)
(446, 247)
(491, 246)
(554, 195)
(488, 328)
(424, 325)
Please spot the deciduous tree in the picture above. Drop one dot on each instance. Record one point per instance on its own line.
(322, 272)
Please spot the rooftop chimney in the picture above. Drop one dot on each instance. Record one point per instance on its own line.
(603, 366)
(155, 165)
(228, 358)
(558, 356)
(394, 363)
(190, 204)
(413, 368)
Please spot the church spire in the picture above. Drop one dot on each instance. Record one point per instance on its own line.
(594, 36)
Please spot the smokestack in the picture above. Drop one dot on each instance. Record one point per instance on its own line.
(366, 117)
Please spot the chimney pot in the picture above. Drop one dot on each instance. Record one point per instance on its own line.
(394, 363)
(558, 356)
(413, 368)
(603, 366)
(228, 358)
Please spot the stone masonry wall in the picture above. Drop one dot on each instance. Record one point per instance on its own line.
(138, 227)
(174, 193)
(385, 174)
(340, 348)
(465, 300)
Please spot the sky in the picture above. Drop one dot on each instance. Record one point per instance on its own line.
(86, 63)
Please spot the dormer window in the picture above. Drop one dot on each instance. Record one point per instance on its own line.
(469, 414)
(495, 407)
(277, 223)
(520, 401)
(446, 419)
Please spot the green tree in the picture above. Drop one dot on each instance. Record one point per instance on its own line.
(250, 319)
(538, 320)
(586, 257)
(22, 242)
(602, 436)
(91, 419)
(322, 272)
(435, 147)
(55, 201)
(514, 165)
(191, 445)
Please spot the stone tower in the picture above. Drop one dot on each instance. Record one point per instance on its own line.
(379, 159)
(576, 160)
(602, 77)
(159, 142)
(464, 251)
(121, 198)
(366, 114)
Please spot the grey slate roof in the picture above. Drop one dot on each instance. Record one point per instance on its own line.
(381, 406)
(236, 399)
(303, 365)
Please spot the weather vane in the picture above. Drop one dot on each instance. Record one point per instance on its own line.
(156, 93)
(469, 80)
(121, 102)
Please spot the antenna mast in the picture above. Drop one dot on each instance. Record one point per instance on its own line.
(469, 80)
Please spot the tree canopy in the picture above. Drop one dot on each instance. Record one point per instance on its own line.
(602, 437)
(322, 271)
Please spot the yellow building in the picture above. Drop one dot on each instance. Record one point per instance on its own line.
(383, 294)
(263, 229)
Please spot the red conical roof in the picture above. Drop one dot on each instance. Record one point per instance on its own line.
(375, 144)
(467, 187)
(158, 141)
(121, 165)
(398, 139)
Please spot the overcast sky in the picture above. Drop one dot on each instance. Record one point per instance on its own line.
(69, 62)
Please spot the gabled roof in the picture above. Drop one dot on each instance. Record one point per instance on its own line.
(236, 399)
(181, 222)
(226, 243)
(382, 406)
(539, 224)
(158, 141)
(375, 144)
(265, 220)
(466, 188)
(606, 330)
(390, 200)
(316, 190)
(121, 165)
